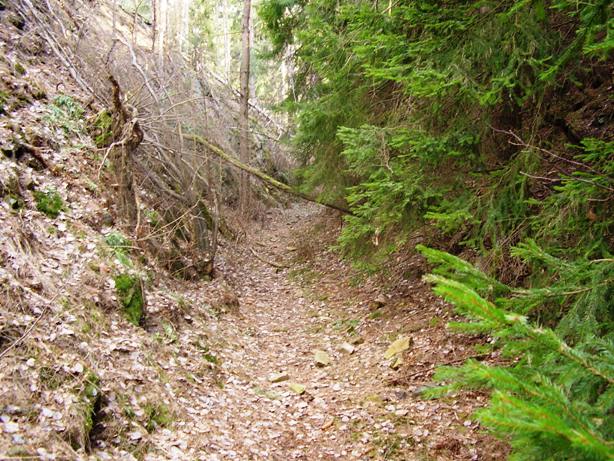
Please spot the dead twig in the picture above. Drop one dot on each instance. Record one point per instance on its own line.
(270, 263)
(443, 364)
(25, 7)
(28, 330)
(521, 143)
(140, 70)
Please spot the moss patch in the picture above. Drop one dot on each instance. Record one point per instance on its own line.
(156, 415)
(49, 202)
(19, 68)
(131, 297)
(101, 129)
(84, 413)
(4, 102)
(90, 397)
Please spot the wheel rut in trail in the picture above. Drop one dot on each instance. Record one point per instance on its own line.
(355, 408)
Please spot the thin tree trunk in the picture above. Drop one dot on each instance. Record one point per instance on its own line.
(244, 193)
(135, 14)
(227, 40)
(154, 24)
(162, 30)
(184, 24)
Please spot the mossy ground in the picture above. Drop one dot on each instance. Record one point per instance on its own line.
(49, 201)
(101, 129)
(130, 294)
(88, 398)
(157, 415)
(4, 99)
(19, 68)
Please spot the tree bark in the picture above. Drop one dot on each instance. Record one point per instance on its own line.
(127, 135)
(154, 24)
(227, 40)
(162, 23)
(244, 192)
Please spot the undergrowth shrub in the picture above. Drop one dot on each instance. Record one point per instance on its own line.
(399, 184)
(402, 110)
(579, 214)
(121, 246)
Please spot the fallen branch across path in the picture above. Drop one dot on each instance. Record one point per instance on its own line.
(259, 174)
(270, 263)
(444, 364)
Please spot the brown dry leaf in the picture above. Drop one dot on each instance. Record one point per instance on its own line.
(398, 346)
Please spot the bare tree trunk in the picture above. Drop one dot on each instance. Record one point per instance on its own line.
(244, 192)
(227, 41)
(135, 15)
(127, 135)
(154, 24)
(252, 80)
(185, 25)
(162, 30)
(283, 88)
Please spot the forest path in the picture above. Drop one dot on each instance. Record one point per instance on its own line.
(355, 408)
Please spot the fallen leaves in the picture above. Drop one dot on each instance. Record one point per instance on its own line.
(347, 348)
(265, 399)
(297, 388)
(321, 358)
(398, 346)
(279, 377)
(11, 427)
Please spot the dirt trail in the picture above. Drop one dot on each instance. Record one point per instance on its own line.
(353, 409)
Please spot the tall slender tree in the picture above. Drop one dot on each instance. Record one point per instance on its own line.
(244, 117)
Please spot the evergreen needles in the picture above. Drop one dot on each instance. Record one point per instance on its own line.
(553, 398)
